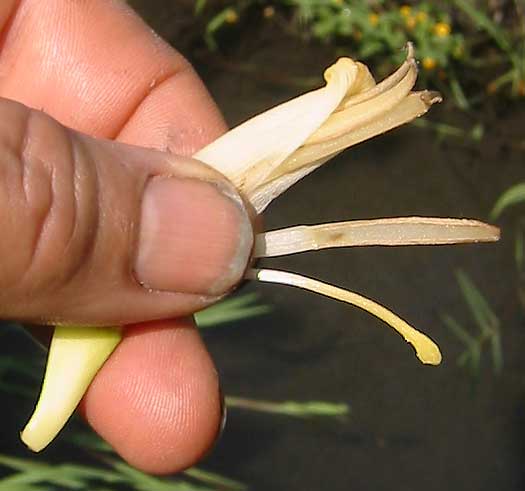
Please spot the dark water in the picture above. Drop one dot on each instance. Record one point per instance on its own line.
(411, 427)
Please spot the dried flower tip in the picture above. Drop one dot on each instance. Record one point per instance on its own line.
(380, 232)
(350, 116)
(307, 158)
(277, 148)
(426, 350)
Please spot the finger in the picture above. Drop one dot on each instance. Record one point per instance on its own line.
(127, 86)
(98, 232)
(164, 414)
(96, 67)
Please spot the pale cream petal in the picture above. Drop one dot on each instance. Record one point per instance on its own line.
(385, 84)
(364, 82)
(345, 121)
(249, 152)
(402, 231)
(308, 158)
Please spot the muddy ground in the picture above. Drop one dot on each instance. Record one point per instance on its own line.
(411, 427)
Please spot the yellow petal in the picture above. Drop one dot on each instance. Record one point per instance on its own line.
(426, 350)
(75, 356)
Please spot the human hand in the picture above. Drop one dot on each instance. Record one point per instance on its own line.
(86, 220)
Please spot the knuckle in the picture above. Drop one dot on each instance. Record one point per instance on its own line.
(48, 215)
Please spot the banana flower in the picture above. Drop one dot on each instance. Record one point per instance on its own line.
(273, 151)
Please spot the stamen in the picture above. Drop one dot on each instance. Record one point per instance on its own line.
(426, 350)
(401, 231)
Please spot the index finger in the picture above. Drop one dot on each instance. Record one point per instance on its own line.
(96, 67)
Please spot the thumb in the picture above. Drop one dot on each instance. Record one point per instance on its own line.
(99, 232)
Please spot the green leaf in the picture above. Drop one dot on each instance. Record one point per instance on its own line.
(512, 196)
(199, 6)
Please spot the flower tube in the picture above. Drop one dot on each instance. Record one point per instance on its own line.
(272, 151)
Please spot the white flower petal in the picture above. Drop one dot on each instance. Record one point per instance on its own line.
(251, 151)
(403, 231)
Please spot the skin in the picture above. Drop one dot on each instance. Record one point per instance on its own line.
(95, 67)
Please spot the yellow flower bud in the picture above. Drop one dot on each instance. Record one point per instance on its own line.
(405, 10)
(491, 88)
(268, 12)
(231, 17)
(421, 16)
(442, 29)
(429, 63)
(521, 88)
(410, 22)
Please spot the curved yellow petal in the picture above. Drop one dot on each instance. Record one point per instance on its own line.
(75, 356)
(252, 150)
(426, 350)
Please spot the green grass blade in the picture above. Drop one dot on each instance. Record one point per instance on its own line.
(497, 352)
(215, 480)
(145, 482)
(231, 310)
(478, 306)
(199, 6)
(50, 475)
(291, 408)
(90, 441)
(21, 465)
(482, 21)
(519, 248)
(512, 196)
(90, 473)
(458, 93)
(458, 330)
(475, 361)
(464, 359)
(9, 484)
